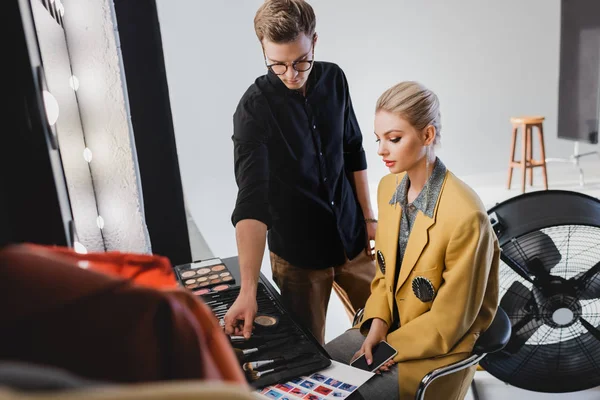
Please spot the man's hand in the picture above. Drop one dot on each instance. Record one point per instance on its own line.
(371, 230)
(239, 319)
(377, 333)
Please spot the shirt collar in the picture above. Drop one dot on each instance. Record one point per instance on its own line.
(427, 198)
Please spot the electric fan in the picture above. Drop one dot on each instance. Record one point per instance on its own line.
(550, 290)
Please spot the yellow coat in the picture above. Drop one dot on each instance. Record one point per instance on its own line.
(458, 252)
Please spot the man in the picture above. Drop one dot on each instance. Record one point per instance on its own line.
(301, 174)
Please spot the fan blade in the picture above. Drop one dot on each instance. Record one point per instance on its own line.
(533, 254)
(542, 247)
(520, 306)
(514, 300)
(588, 284)
(590, 328)
(522, 332)
(515, 266)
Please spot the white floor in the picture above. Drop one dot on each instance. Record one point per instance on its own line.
(492, 190)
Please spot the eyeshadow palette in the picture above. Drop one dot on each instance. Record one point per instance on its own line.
(276, 336)
(205, 276)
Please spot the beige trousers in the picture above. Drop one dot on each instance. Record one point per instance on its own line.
(306, 292)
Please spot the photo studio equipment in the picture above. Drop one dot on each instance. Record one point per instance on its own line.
(550, 290)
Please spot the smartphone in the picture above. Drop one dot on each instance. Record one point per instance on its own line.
(382, 352)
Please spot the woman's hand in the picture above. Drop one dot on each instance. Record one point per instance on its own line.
(377, 333)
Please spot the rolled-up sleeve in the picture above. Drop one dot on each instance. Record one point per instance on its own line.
(251, 166)
(354, 154)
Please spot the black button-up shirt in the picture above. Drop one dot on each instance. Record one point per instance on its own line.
(292, 156)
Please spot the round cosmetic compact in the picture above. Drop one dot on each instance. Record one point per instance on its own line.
(187, 274)
(265, 321)
(220, 288)
(203, 271)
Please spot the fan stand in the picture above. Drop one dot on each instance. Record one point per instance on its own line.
(574, 159)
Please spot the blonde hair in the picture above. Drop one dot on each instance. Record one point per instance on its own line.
(415, 103)
(281, 21)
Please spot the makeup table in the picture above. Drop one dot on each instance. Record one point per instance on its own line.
(232, 264)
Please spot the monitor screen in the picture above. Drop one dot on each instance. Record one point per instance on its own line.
(579, 76)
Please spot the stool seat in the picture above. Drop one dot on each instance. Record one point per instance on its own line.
(527, 120)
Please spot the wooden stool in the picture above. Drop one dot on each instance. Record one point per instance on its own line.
(527, 162)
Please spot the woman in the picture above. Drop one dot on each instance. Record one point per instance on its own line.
(436, 288)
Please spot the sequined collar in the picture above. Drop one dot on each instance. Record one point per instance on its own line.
(430, 193)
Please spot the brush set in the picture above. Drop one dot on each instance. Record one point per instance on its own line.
(278, 349)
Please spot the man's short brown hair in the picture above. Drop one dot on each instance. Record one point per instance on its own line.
(281, 21)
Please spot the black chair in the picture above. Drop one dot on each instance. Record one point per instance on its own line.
(492, 340)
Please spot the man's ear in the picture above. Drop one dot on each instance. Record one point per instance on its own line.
(429, 135)
(315, 37)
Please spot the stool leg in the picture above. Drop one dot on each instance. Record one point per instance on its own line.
(523, 158)
(543, 155)
(530, 153)
(512, 156)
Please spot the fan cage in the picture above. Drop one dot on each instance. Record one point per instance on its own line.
(560, 353)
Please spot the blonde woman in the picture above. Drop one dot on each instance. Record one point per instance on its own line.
(436, 288)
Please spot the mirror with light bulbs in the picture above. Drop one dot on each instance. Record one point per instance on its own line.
(88, 122)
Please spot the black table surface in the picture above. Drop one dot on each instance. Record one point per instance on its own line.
(234, 267)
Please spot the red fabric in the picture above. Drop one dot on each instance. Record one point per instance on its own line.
(108, 316)
(143, 269)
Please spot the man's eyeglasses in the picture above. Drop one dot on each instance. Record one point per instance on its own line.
(281, 68)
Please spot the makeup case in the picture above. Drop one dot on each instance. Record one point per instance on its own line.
(276, 336)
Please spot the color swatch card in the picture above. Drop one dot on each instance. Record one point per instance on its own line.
(205, 276)
(337, 381)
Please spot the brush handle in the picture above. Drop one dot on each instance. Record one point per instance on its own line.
(250, 351)
(260, 337)
(251, 366)
(264, 346)
(268, 371)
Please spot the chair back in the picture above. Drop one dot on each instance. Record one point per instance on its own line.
(496, 336)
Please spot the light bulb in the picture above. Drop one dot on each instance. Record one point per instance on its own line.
(79, 248)
(100, 222)
(51, 106)
(74, 82)
(87, 155)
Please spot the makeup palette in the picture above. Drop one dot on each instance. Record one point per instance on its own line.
(205, 276)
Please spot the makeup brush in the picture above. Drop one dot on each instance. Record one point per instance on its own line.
(242, 339)
(255, 375)
(256, 365)
(241, 354)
